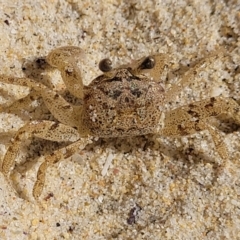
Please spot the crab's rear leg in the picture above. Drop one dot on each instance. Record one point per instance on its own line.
(46, 130)
(56, 156)
(192, 118)
(43, 129)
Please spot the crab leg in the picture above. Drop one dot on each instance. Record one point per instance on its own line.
(192, 118)
(45, 130)
(53, 158)
(190, 75)
(21, 104)
(57, 105)
(42, 129)
(64, 58)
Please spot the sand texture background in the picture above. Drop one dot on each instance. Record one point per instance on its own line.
(155, 187)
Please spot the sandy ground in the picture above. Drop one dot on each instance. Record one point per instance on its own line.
(155, 187)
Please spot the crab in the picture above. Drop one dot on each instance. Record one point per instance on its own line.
(123, 101)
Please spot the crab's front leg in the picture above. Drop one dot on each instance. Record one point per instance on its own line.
(192, 118)
(190, 75)
(63, 111)
(21, 104)
(64, 59)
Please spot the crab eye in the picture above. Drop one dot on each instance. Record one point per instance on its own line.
(105, 65)
(148, 63)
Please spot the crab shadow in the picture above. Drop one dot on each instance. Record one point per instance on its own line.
(36, 68)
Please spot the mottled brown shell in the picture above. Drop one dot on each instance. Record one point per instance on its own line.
(122, 105)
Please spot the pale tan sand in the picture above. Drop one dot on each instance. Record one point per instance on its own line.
(169, 184)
